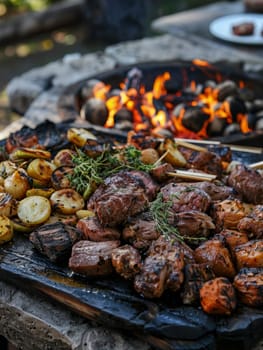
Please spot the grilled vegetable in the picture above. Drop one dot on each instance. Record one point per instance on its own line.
(17, 184)
(61, 177)
(171, 154)
(64, 157)
(79, 136)
(8, 205)
(81, 214)
(40, 169)
(19, 226)
(67, 201)
(7, 168)
(24, 153)
(34, 210)
(6, 229)
(43, 192)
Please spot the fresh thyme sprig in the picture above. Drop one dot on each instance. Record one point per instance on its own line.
(160, 212)
(89, 172)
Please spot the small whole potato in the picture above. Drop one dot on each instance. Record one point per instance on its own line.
(149, 156)
(17, 184)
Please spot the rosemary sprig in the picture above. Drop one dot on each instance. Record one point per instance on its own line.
(89, 172)
(161, 211)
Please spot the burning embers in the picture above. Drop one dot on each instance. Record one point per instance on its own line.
(174, 105)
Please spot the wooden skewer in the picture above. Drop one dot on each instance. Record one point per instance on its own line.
(249, 149)
(191, 175)
(257, 165)
(190, 145)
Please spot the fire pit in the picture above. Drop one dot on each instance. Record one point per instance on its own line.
(186, 100)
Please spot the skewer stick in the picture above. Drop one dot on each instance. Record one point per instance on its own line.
(161, 158)
(257, 165)
(249, 149)
(192, 176)
(190, 145)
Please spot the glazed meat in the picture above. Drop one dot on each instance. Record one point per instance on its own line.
(217, 256)
(140, 231)
(249, 254)
(248, 182)
(126, 260)
(94, 231)
(253, 223)
(92, 258)
(185, 198)
(194, 277)
(228, 213)
(120, 196)
(55, 240)
(209, 162)
(159, 173)
(193, 224)
(151, 281)
(233, 239)
(218, 296)
(249, 285)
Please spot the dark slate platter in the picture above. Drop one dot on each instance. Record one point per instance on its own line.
(112, 302)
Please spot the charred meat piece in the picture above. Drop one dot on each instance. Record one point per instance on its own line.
(174, 257)
(146, 182)
(194, 277)
(253, 223)
(216, 255)
(228, 213)
(122, 195)
(193, 224)
(216, 191)
(224, 152)
(233, 239)
(127, 261)
(248, 182)
(55, 240)
(249, 285)
(218, 297)
(94, 231)
(25, 137)
(249, 254)
(185, 198)
(140, 231)
(243, 29)
(159, 173)
(209, 162)
(92, 258)
(151, 281)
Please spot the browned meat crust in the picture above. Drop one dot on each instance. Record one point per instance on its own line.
(216, 255)
(127, 261)
(249, 254)
(55, 240)
(233, 239)
(242, 29)
(249, 285)
(253, 223)
(92, 258)
(94, 231)
(218, 296)
(248, 182)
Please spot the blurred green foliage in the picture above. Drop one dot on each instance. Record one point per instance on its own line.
(23, 5)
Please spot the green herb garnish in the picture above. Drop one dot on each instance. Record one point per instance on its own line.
(161, 211)
(89, 172)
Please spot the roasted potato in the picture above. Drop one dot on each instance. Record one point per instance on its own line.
(17, 184)
(79, 136)
(67, 201)
(40, 169)
(8, 205)
(64, 157)
(34, 210)
(6, 229)
(171, 154)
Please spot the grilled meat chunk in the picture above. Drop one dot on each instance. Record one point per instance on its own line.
(159, 173)
(193, 224)
(55, 240)
(140, 231)
(233, 238)
(174, 256)
(218, 296)
(194, 277)
(151, 281)
(216, 255)
(94, 231)
(249, 285)
(253, 223)
(92, 258)
(208, 161)
(127, 261)
(120, 196)
(249, 254)
(217, 191)
(185, 198)
(228, 213)
(248, 182)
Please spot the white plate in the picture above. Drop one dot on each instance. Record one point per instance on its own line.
(222, 28)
